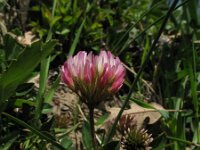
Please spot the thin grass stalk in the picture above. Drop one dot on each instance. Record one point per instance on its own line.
(44, 69)
(182, 141)
(127, 32)
(77, 36)
(194, 86)
(51, 92)
(112, 131)
(194, 95)
(142, 33)
(147, 28)
(78, 33)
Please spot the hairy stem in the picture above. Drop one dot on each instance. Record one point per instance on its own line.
(92, 129)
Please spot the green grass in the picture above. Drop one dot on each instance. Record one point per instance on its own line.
(157, 42)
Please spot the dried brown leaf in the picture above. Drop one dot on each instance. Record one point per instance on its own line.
(139, 112)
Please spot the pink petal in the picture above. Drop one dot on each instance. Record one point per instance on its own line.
(116, 85)
(66, 77)
(87, 72)
(120, 72)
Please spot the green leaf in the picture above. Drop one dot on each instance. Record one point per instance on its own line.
(164, 113)
(64, 31)
(55, 20)
(86, 136)
(20, 70)
(11, 47)
(66, 142)
(20, 102)
(101, 120)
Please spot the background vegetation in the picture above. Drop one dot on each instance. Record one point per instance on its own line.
(157, 40)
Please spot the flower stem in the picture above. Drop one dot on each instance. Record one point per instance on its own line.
(92, 129)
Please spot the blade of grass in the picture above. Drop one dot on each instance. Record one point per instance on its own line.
(177, 126)
(78, 33)
(142, 33)
(193, 77)
(180, 130)
(49, 36)
(44, 69)
(33, 130)
(112, 131)
(190, 66)
(9, 143)
(69, 130)
(126, 33)
(193, 82)
(77, 36)
(146, 29)
(183, 141)
(147, 44)
(50, 93)
(163, 112)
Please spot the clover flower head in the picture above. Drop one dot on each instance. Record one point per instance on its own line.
(131, 136)
(126, 123)
(137, 139)
(93, 77)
